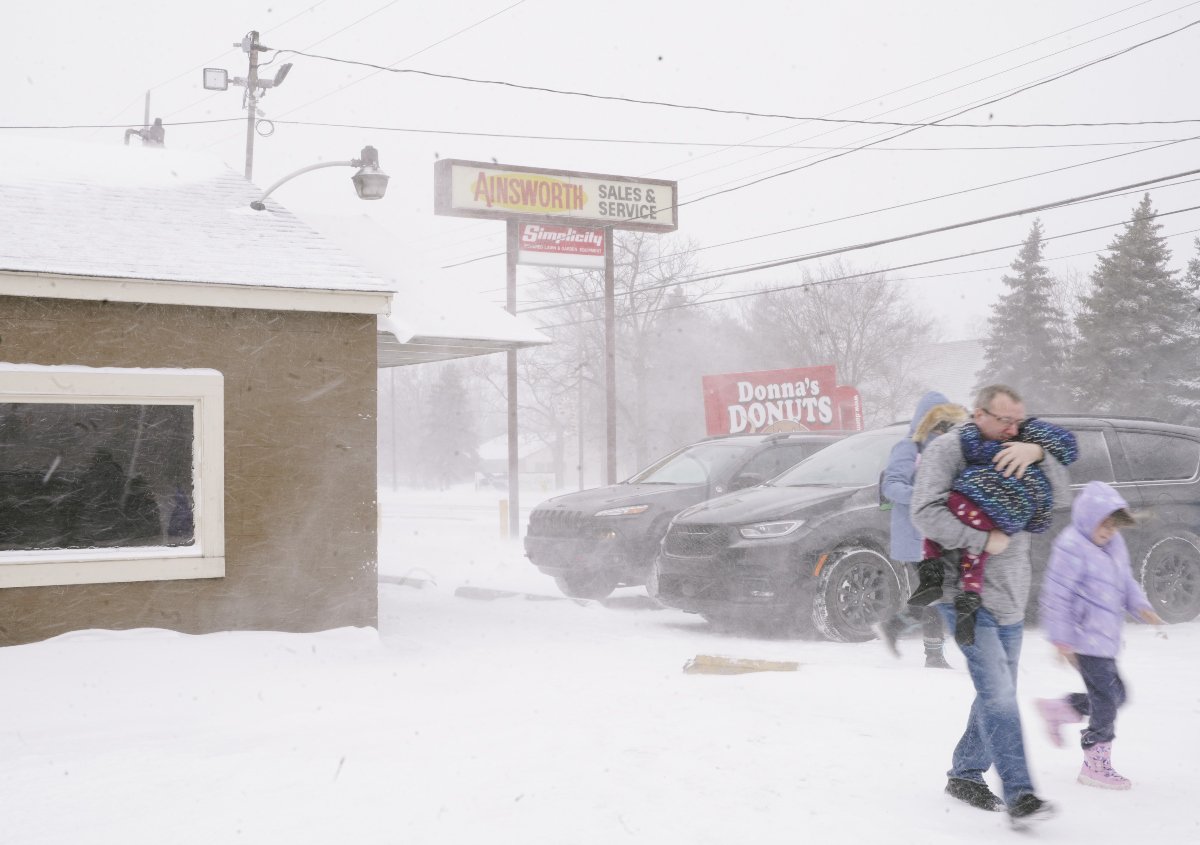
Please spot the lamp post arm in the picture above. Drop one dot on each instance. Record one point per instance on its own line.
(259, 205)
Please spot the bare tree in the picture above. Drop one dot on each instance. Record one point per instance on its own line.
(864, 323)
(651, 275)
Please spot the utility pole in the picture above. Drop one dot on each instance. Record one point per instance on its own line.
(250, 45)
(610, 359)
(217, 79)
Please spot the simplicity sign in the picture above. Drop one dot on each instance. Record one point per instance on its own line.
(503, 191)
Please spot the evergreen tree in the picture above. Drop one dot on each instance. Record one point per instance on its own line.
(451, 448)
(1025, 344)
(1139, 336)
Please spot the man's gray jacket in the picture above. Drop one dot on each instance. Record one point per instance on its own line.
(1006, 576)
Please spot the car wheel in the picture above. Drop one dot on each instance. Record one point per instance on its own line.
(1171, 577)
(855, 590)
(587, 584)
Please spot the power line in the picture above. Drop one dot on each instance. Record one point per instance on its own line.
(958, 87)
(123, 125)
(674, 254)
(906, 88)
(898, 205)
(828, 253)
(203, 64)
(631, 141)
(381, 68)
(1005, 96)
(321, 40)
(781, 116)
(819, 282)
(726, 144)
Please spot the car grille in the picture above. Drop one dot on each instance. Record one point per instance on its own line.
(560, 523)
(696, 540)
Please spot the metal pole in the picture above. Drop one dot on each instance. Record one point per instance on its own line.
(579, 421)
(146, 113)
(514, 495)
(251, 103)
(610, 358)
(395, 457)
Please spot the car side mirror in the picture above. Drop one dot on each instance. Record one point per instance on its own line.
(747, 479)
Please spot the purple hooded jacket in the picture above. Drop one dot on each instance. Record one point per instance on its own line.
(1089, 588)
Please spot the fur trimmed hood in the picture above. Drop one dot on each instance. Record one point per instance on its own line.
(947, 412)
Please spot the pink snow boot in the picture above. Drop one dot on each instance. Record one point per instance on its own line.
(1097, 768)
(1056, 712)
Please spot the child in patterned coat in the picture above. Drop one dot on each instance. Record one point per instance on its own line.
(984, 498)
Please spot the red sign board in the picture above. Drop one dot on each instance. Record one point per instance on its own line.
(799, 399)
(560, 246)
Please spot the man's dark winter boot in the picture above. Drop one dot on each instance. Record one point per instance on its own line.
(974, 793)
(936, 660)
(930, 577)
(966, 606)
(1029, 808)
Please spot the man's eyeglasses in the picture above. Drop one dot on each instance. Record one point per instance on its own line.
(1006, 421)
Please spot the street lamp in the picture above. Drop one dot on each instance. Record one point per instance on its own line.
(370, 182)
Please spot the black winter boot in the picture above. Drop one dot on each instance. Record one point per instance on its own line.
(966, 606)
(930, 577)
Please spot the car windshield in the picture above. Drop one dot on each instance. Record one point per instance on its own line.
(694, 464)
(853, 462)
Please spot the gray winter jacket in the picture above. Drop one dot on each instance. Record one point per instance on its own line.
(1006, 576)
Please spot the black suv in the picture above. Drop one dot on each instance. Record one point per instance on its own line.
(809, 549)
(596, 540)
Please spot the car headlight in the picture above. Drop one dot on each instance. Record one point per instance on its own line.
(628, 510)
(767, 530)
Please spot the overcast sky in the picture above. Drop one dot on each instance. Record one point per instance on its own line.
(69, 62)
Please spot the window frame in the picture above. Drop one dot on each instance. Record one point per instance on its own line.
(204, 390)
(1144, 432)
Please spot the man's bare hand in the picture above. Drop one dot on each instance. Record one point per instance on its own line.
(997, 542)
(1015, 458)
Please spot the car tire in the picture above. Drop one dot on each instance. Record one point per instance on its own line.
(587, 584)
(1170, 576)
(856, 589)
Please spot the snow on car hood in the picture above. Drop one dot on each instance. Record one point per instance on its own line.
(758, 503)
(614, 495)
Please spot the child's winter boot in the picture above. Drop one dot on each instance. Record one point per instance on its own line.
(930, 577)
(1097, 768)
(966, 607)
(1055, 713)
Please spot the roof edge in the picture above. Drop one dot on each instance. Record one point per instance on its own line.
(201, 294)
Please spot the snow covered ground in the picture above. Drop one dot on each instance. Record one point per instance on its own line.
(513, 720)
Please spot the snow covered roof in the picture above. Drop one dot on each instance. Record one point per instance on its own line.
(145, 224)
(428, 322)
(151, 216)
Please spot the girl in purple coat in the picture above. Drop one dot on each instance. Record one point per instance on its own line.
(1088, 590)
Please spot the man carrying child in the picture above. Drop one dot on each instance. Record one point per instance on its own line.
(993, 733)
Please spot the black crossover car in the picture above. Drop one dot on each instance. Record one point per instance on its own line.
(596, 540)
(809, 549)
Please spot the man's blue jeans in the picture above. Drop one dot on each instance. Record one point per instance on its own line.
(993, 736)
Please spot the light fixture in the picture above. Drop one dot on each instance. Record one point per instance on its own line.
(370, 183)
(216, 79)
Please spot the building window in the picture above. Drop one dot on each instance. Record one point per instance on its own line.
(110, 475)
